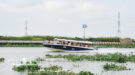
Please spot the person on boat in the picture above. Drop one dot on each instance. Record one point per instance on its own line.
(49, 42)
(60, 43)
(78, 44)
(74, 44)
(64, 43)
(87, 46)
(69, 44)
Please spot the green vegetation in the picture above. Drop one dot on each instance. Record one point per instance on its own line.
(21, 45)
(54, 68)
(105, 39)
(116, 57)
(2, 59)
(39, 59)
(85, 73)
(27, 67)
(54, 73)
(57, 70)
(114, 46)
(32, 68)
(32, 38)
(40, 45)
(41, 38)
(61, 73)
(114, 67)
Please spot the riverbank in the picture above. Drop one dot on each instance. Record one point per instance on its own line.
(21, 45)
(42, 38)
(114, 46)
(41, 45)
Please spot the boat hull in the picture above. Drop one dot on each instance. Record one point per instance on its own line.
(67, 48)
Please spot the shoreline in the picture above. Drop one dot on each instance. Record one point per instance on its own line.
(40, 45)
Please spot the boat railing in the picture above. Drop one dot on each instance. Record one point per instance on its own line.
(55, 42)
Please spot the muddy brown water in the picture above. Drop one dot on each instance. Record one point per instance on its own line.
(13, 56)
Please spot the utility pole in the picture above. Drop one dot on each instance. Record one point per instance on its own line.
(26, 28)
(119, 25)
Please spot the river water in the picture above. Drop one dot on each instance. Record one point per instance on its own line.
(13, 56)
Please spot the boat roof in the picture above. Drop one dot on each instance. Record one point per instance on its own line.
(75, 41)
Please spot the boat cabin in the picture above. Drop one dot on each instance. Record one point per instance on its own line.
(69, 43)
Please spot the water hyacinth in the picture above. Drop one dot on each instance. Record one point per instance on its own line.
(116, 57)
(114, 67)
(113, 46)
(57, 70)
(54, 68)
(39, 59)
(85, 73)
(27, 66)
(2, 59)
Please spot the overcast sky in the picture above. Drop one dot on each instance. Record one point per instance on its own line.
(65, 17)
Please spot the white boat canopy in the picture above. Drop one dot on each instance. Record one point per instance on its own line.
(73, 41)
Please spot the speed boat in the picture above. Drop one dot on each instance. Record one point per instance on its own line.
(68, 45)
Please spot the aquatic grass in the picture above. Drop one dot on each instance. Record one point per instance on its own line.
(57, 70)
(56, 73)
(34, 69)
(131, 58)
(2, 59)
(54, 68)
(85, 73)
(33, 62)
(28, 66)
(64, 73)
(115, 57)
(114, 67)
(20, 68)
(39, 59)
(56, 56)
(113, 46)
(59, 73)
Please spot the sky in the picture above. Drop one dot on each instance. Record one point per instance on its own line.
(66, 17)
